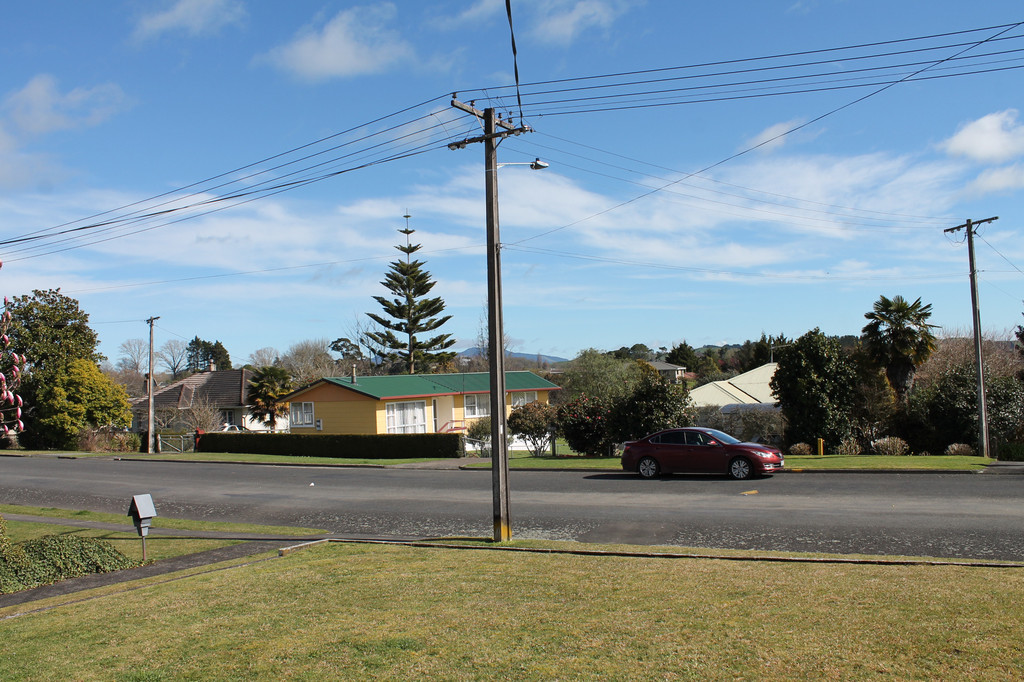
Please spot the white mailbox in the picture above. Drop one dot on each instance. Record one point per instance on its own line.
(142, 512)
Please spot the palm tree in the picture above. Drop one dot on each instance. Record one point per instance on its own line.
(899, 339)
(266, 388)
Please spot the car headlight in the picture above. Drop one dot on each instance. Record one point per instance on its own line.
(765, 454)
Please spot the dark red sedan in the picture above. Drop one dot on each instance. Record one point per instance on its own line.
(696, 450)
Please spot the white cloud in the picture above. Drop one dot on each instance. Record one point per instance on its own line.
(563, 21)
(193, 17)
(993, 138)
(40, 107)
(355, 42)
(773, 137)
(999, 180)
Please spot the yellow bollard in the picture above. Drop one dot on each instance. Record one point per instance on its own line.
(821, 447)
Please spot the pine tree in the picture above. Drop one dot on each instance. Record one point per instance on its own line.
(410, 313)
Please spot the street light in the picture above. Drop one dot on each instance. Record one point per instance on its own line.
(536, 164)
(496, 332)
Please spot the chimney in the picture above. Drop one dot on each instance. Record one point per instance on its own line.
(213, 367)
(353, 374)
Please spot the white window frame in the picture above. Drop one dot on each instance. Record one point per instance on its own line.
(397, 416)
(477, 405)
(520, 398)
(301, 414)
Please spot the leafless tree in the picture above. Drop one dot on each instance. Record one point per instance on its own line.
(264, 357)
(174, 353)
(202, 414)
(134, 356)
(133, 381)
(309, 360)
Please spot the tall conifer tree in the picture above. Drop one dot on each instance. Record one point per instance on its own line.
(410, 314)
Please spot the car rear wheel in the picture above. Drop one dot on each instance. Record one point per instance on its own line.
(740, 469)
(648, 467)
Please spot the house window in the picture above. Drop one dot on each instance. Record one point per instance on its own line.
(478, 406)
(521, 398)
(227, 417)
(410, 417)
(302, 414)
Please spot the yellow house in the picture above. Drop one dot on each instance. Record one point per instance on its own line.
(404, 403)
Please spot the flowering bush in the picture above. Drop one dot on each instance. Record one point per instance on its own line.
(801, 450)
(583, 422)
(890, 446)
(848, 447)
(960, 449)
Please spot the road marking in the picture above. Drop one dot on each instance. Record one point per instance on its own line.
(749, 492)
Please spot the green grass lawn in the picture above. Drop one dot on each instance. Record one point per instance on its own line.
(129, 543)
(349, 611)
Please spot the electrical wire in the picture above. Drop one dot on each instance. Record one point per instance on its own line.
(789, 131)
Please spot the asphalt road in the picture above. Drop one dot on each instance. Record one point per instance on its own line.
(940, 515)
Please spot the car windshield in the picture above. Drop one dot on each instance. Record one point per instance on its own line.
(721, 436)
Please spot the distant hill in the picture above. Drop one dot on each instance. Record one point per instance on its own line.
(477, 352)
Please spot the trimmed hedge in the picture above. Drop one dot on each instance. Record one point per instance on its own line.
(390, 446)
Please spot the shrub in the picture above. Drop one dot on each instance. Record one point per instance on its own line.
(1011, 452)
(480, 429)
(108, 440)
(890, 446)
(584, 423)
(533, 422)
(848, 447)
(960, 450)
(52, 558)
(801, 450)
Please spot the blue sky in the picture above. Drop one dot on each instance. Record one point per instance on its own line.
(108, 105)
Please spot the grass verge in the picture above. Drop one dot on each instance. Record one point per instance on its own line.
(384, 612)
(157, 547)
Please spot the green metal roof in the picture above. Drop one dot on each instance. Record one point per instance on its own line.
(419, 385)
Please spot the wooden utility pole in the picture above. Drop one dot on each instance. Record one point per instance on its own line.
(495, 326)
(983, 443)
(150, 434)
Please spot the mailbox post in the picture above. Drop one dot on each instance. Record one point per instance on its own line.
(142, 512)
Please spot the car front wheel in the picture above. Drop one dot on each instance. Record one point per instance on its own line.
(648, 467)
(740, 469)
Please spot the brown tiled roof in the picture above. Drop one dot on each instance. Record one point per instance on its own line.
(222, 388)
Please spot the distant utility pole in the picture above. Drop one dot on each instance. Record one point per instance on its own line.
(495, 327)
(978, 358)
(149, 389)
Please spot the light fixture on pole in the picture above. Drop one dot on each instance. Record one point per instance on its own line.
(495, 129)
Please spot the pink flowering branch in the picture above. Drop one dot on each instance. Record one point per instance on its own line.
(12, 366)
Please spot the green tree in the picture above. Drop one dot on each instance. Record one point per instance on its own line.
(410, 314)
(682, 354)
(597, 375)
(69, 402)
(815, 384)
(51, 330)
(637, 351)
(653, 404)
(534, 423)
(899, 339)
(201, 355)
(266, 389)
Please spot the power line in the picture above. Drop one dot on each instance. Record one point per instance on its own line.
(763, 143)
